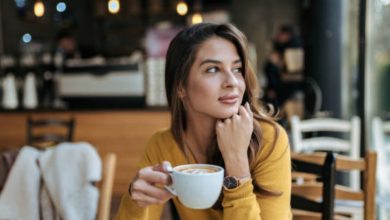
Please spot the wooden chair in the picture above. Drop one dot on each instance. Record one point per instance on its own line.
(381, 130)
(49, 131)
(307, 193)
(51, 137)
(350, 146)
(326, 174)
(106, 186)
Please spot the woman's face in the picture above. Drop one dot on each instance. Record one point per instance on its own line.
(216, 85)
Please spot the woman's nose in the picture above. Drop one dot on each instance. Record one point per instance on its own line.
(230, 79)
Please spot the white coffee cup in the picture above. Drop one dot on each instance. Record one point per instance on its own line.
(197, 186)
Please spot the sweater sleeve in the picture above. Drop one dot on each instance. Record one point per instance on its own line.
(272, 171)
(128, 209)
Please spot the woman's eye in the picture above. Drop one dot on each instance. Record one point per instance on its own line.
(237, 70)
(212, 69)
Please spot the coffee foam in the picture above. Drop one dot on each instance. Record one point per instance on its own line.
(198, 170)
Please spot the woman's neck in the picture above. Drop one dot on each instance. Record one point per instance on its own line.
(199, 135)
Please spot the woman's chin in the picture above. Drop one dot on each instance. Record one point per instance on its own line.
(227, 114)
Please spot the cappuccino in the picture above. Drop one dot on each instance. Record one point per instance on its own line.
(198, 170)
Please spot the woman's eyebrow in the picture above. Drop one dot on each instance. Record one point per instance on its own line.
(237, 61)
(209, 61)
(217, 61)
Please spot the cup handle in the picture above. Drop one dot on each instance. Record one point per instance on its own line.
(167, 167)
(170, 189)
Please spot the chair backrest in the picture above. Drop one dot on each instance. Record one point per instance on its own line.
(325, 172)
(380, 130)
(106, 186)
(350, 146)
(312, 189)
(49, 131)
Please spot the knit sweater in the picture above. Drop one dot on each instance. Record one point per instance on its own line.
(271, 169)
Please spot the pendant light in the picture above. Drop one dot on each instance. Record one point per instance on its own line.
(197, 16)
(182, 8)
(114, 6)
(39, 8)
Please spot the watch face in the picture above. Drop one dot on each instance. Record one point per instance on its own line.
(230, 182)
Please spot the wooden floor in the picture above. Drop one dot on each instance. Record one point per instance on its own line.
(122, 132)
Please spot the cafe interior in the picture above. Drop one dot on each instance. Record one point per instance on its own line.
(87, 77)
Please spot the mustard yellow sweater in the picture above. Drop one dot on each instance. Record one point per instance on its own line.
(272, 170)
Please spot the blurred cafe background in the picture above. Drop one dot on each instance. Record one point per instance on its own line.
(98, 67)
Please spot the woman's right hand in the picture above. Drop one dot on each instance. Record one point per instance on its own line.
(144, 189)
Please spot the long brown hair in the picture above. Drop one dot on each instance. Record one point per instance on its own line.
(180, 57)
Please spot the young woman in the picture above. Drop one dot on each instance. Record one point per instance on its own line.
(216, 119)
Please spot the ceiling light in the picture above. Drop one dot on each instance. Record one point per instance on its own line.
(61, 7)
(197, 18)
(182, 8)
(39, 9)
(114, 6)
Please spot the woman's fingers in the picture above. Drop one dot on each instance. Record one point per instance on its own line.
(248, 109)
(150, 175)
(165, 167)
(236, 118)
(243, 111)
(144, 200)
(144, 187)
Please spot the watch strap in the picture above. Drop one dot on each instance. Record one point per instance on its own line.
(243, 180)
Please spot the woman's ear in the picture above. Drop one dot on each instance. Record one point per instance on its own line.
(181, 92)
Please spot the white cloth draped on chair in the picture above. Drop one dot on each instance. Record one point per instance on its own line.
(68, 171)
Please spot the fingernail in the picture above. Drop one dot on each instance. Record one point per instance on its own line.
(167, 166)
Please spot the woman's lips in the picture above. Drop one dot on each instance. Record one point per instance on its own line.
(230, 99)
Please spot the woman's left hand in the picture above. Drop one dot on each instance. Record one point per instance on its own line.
(233, 136)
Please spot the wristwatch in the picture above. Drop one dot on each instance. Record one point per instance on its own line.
(232, 182)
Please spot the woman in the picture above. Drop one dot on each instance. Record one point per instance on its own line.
(216, 119)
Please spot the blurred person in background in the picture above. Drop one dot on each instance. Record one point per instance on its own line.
(276, 92)
(216, 119)
(67, 44)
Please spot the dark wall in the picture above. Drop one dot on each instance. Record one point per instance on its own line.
(78, 18)
(121, 33)
(15, 25)
(95, 30)
(323, 51)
